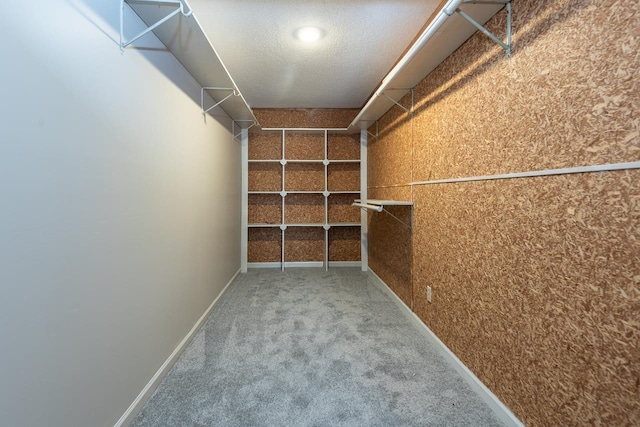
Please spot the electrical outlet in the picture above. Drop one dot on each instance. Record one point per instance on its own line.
(429, 293)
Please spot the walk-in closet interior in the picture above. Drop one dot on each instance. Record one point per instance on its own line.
(472, 164)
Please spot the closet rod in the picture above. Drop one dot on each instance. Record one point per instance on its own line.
(442, 16)
(366, 206)
(547, 172)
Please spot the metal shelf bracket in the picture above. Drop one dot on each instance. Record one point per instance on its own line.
(233, 93)
(408, 110)
(180, 9)
(236, 136)
(505, 45)
(376, 134)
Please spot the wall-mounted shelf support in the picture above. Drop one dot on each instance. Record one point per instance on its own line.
(505, 45)
(233, 93)
(407, 110)
(233, 127)
(378, 206)
(180, 9)
(376, 135)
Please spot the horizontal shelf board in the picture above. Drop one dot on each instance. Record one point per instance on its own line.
(385, 202)
(344, 192)
(344, 161)
(184, 38)
(345, 224)
(264, 225)
(304, 225)
(305, 192)
(264, 161)
(451, 35)
(303, 161)
(264, 192)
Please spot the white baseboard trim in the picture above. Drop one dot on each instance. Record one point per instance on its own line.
(264, 265)
(346, 264)
(499, 408)
(147, 391)
(312, 264)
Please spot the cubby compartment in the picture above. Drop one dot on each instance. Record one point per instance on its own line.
(304, 244)
(304, 181)
(343, 146)
(265, 209)
(339, 209)
(265, 146)
(344, 244)
(304, 177)
(304, 146)
(304, 209)
(264, 245)
(265, 177)
(344, 177)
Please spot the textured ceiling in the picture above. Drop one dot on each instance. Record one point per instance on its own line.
(272, 69)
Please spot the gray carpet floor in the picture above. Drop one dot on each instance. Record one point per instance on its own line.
(311, 348)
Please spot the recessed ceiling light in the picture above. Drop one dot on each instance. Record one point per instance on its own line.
(308, 34)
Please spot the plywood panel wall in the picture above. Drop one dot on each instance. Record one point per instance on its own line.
(303, 244)
(265, 146)
(390, 242)
(304, 209)
(344, 244)
(536, 289)
(343, 146)
(264, 245)
(535, 281)
(567, 97)
(304, 146)
(305, 118)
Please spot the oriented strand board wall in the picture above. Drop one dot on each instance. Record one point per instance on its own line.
(305, 118)
(536, 284)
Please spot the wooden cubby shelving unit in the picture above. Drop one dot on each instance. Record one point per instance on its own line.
(301, 184)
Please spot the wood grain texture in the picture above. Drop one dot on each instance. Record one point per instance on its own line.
(264, 245)
(304, 244)
(339, 208)
(536, 288)
(305, 118)
(343, 177)
(567, 97)
(390, 243)
(535, 281)
(265, 177)
(389, 154)
(265, 209)
(344, 244)
(304, 209)
(304, 146)
(304, 177)
(343, 146)
(265, 145)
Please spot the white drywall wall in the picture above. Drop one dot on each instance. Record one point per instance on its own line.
(119, 212)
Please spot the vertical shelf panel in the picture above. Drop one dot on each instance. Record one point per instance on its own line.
(304, 177)
(343, 146)
(304, 209)
(265, 177)
(265, 146)
(265, 245)
(344, 244)
(304, 244)
(304, 146)
(340, 209)
(344, 177)
(265, 208)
